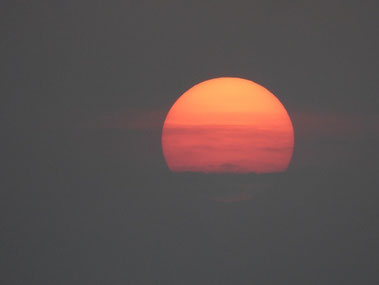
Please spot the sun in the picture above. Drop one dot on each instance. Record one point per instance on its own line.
(228, 124)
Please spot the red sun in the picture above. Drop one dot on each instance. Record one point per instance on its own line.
(228, 125)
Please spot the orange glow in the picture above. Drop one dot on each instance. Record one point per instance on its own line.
(228, 125)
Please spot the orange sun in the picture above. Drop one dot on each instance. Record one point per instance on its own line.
(228, 125)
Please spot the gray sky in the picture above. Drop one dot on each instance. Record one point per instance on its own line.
(86, 196)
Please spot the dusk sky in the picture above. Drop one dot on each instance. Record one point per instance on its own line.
(86, 194)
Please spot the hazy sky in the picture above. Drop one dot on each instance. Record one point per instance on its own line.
(86, 197)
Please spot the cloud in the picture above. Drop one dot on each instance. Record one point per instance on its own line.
(313, 125)
(128, 120)
(334, 141)
(331, 140)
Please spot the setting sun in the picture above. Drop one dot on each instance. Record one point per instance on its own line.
(228, 125)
